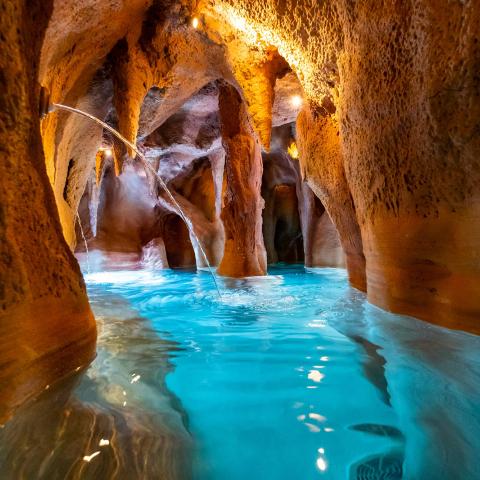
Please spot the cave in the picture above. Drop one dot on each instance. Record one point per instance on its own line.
(239, 238)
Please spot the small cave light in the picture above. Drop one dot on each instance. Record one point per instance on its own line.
(108, 152)
(296, 101)
(195, 22)
(293, 150)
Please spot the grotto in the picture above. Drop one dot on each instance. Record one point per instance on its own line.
(240, 238)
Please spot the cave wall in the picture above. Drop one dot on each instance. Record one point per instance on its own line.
(186, 151)
(159, 49)
(322, 165)
(321, 241)
(131, 220)
(126, 215)
(397, 84)
(391, 103)
(414, 158)
(47, 327)
(75, 68)
(309, 236)
(397, 173)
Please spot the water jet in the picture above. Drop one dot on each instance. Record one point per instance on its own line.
(147, 166)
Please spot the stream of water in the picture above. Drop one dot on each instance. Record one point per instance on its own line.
(146, 165)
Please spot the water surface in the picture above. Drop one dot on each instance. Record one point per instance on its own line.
(290, 376)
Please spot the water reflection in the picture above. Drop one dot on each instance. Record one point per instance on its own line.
(374, 366)
(431, 377)
(321, 461)
(290, 377)
(116, 420)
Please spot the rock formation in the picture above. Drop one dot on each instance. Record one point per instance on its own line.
(388, 142)
(291, 205)
(242, 211)
(321, 163)
(392, 90)
(47, 327)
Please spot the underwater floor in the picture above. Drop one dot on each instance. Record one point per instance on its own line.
(290, 376)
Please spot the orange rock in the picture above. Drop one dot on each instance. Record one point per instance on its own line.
(47, 327)
(321, 161)
(321, 240)
(242, 211)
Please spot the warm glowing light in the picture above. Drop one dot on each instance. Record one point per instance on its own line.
(293, 150)
(104, 442)
(195, 22)
(296, 101)
(108, 152)
(257, 33)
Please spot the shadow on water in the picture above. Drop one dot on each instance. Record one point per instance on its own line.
(115, 420)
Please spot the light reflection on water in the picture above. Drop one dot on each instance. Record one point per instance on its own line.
(291, 376)
(110, 421)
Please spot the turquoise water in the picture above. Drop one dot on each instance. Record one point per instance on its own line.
(296, 376)
(293, 376)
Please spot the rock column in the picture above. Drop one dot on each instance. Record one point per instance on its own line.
(244, 253)
(322, 166)
(409, 115)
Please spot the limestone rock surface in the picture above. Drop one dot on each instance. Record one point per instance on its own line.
(47, 328)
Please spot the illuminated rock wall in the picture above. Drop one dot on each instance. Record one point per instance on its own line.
(393, 89)
(244, 253)
(47, 328)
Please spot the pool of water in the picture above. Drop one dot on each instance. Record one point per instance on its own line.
(290, 376)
